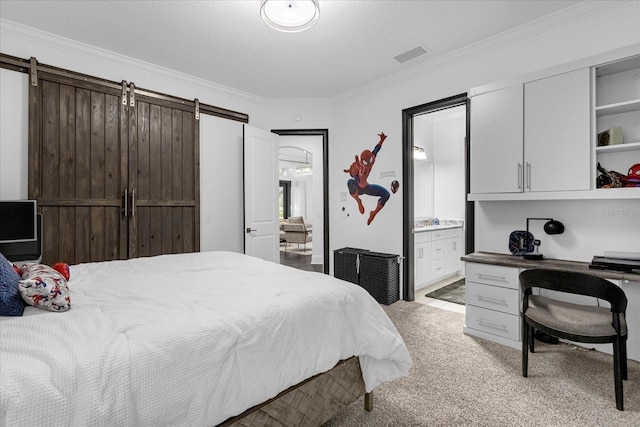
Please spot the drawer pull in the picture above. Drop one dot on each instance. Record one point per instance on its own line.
(497, 300)
(492, 324)
(490, 277)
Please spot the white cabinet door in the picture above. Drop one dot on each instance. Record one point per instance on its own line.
(557, 133)
(452, 254)
(422, 264)
(497, 141)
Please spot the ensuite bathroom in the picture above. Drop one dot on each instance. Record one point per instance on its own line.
(439, 197)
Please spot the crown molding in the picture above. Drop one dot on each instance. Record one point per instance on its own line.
(310, 102)
(530, 29)
(34, 35)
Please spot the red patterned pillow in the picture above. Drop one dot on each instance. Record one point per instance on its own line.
(43, 287)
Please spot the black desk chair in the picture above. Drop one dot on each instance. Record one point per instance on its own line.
(575, 322)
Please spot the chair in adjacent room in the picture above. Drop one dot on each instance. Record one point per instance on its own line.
(575, 322)
(296, 230)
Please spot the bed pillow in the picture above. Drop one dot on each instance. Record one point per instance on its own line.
(11, 303)
(43, 287)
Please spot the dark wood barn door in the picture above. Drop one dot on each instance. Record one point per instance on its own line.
(116, 176)
(76, 169)
(163, 178)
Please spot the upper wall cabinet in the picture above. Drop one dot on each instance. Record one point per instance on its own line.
(557, 133)
(532, 137)
(543, 135)
(497, 141)
(617, 110)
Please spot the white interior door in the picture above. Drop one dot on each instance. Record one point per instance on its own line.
(262, 237)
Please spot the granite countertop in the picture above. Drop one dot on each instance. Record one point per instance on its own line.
(548, 263)
(421, 226)
(434, 227)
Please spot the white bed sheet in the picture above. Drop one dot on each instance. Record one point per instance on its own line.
(188, 339)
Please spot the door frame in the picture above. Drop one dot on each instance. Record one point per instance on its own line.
(325, 182)
(408, 272)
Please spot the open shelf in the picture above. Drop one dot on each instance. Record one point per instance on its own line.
(618, 147)
(618, 108)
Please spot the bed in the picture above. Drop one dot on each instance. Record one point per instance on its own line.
(193, 339)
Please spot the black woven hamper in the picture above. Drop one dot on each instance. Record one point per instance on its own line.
(380, 276)
(378, 273)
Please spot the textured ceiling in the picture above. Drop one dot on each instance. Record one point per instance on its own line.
(225, 42)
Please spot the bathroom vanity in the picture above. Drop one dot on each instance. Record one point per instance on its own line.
(437, 250)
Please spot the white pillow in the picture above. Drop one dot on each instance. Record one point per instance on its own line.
(43, 287)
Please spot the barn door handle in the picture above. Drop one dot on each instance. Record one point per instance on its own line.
(133, 202)
(125, 201)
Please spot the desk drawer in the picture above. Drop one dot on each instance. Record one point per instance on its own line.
(493, 322)
(489, 274)
(493, 297)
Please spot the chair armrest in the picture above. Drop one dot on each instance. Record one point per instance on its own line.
(297, 228)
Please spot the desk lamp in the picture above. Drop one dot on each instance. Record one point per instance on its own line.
(550, 227)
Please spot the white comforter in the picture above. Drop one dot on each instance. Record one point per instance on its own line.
(188, 340)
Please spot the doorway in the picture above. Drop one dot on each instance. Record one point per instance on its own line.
(300, 201)
(411, 124)
(318, 215)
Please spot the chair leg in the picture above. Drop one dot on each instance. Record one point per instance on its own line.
(623, 356)
(617, 373)
(525, 348)
(532, 339)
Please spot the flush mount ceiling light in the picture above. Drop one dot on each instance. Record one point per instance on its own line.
(290, 16)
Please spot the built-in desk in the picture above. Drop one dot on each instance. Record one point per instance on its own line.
(547, 263)
(493, 297)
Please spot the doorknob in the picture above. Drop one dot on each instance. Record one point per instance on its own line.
(249, 230)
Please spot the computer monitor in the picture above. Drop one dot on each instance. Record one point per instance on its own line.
(18, 221)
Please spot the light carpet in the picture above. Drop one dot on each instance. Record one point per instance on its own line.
(461, 380)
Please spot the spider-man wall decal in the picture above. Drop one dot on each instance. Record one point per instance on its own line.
(358, 184)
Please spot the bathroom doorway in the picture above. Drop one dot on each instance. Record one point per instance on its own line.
(421, 137)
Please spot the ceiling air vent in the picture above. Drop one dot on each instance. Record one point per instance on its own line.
(410, 54)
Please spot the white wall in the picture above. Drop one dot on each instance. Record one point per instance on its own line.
(423, 190)
(449, 164)
(423, 185)
(591, 226)
(221, 196)
(13, 135)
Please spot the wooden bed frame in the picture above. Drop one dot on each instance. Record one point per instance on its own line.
(312, 402)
